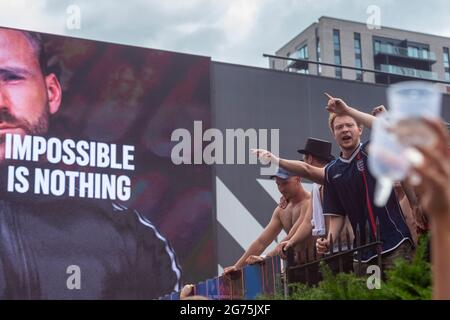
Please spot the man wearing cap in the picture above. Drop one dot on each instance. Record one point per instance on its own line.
(288, 219)
(316, 153)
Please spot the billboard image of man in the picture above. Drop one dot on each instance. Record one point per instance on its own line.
(66, 247)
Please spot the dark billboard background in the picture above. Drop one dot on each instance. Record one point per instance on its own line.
(135, 96)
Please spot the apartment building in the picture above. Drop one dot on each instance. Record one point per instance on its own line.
(397, 54)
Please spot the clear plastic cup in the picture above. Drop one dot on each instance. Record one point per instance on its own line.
(396, 134)
(414, 99)
(410, 102)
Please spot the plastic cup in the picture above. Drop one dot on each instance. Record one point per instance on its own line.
(410, 102)
(414, 99)
(396, 135)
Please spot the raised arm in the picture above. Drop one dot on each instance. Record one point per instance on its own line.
(435, 198)
(299, 168)
(261, 243)
(304, 170)
(339, 106)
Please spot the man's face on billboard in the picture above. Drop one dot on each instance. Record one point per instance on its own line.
(27, 97)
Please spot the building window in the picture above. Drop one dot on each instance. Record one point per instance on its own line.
(390, 48)
(446, 65)
(357, 43)
(303, 52)
(446, 58)
(377, 46)
(358, 59)
(337, 52)
(337, 60)
(319, 59)
(413, 52)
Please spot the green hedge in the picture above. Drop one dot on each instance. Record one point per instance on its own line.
(405, 281)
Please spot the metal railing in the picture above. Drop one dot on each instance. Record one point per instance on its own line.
(353, 68)
(267, 278)
(263, 278)
(339, 259)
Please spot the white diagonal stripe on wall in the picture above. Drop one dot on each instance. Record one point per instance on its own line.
(236, 219)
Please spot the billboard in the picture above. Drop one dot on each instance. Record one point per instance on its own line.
(92, 207)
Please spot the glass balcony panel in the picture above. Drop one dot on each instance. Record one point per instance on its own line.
(408, 72)
(404, 52)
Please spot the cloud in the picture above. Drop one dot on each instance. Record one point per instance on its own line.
(236, 31)
(23, 14)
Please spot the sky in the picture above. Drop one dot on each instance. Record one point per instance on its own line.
(233, 31)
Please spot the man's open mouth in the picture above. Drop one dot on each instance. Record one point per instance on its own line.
(346, 138)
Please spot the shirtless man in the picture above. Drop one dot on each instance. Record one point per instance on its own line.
(288, 218)
(317, 153)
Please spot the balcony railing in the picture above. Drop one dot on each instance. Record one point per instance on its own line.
(404, 52)
(432, 77)
(403, 71)
(297, 64)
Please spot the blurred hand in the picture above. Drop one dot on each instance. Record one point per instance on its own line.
(187, 291)
(282, 248)
(230, 269)
(254, 259)
(434, 190)
(336, 105)
(283, 203)
(322, 245)
(265, 156)
(377, 110)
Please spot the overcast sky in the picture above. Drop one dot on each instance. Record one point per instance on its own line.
(235, 31)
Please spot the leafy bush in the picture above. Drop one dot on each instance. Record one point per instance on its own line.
(410, 281)
(405, 281)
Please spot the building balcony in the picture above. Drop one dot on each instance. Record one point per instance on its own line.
(297, 64)
(409, 72)
(385, 49)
